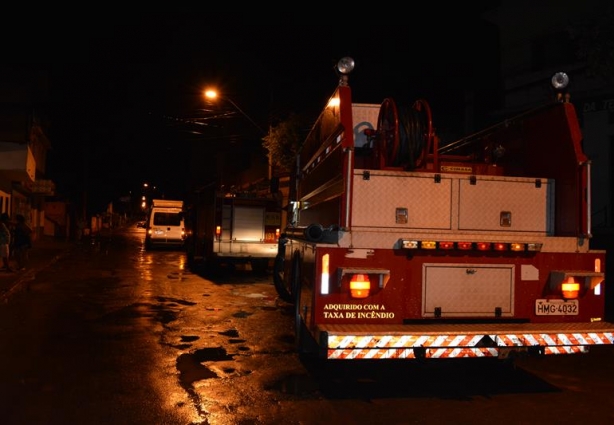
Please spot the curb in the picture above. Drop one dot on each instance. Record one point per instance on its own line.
(21, 283)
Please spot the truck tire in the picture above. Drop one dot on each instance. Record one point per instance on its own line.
(305, 345)
(300, 332)
(279, 279)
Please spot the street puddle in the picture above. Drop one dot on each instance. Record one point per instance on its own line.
(190, 365)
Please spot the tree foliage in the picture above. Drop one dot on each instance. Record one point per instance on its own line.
(284, 140)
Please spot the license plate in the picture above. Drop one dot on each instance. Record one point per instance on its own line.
(556, 307)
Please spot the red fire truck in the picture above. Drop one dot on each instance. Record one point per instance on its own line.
(231, 228)
(400, 246)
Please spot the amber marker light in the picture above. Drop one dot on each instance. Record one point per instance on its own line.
(570, 288)
(428, 244)
(360, 286)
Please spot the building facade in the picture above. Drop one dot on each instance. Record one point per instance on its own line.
(24, 100)
(538, 39)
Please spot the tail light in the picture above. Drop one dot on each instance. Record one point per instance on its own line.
(271, 235)
(360, 286)
(362, 282)
(482, 246)
(218, 232)
(324, 288)
(570, 288)
(574, 284)
(448, 245)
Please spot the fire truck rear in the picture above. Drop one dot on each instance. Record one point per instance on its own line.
(402, 246)
(233, 228)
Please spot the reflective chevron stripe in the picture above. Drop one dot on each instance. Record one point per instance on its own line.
(458, 346)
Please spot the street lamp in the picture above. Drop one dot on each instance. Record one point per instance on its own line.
(213, 95)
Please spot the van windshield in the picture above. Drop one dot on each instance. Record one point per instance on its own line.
(167, 219)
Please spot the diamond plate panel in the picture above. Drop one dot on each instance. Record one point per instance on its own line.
(460, 290)
(375, 201)
(481, 204)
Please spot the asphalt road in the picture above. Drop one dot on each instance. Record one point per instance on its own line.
(115, 334)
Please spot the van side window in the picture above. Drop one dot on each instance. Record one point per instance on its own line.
(166, 219)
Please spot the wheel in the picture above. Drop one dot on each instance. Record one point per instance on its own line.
(279, 273)
(301, 335)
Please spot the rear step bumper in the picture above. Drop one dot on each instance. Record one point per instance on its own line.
(441, 341)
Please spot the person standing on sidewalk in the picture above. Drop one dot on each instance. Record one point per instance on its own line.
(23, 241)
(5, 242)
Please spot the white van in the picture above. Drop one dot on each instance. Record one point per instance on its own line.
(165, 224)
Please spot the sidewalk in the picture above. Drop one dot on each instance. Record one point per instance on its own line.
(46, 251)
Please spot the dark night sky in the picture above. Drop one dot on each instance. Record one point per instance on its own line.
(120, 82)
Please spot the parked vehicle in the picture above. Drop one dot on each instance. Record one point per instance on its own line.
(233, 227)
(402, 247)
(165, 224)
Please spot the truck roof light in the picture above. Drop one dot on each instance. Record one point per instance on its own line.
(428, 244)
(345, 65)
(465, 246)
(499, 246)
(560, 80)
(517, 247)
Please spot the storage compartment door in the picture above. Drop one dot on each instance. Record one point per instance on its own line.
(467, 290)
(248, 224)
(506, 206)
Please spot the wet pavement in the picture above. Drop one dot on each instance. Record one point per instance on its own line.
(44, 252)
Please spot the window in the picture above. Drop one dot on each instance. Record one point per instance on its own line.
(167, 219)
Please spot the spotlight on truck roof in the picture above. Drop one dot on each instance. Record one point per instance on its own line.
(560, 81)
(345, 65)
